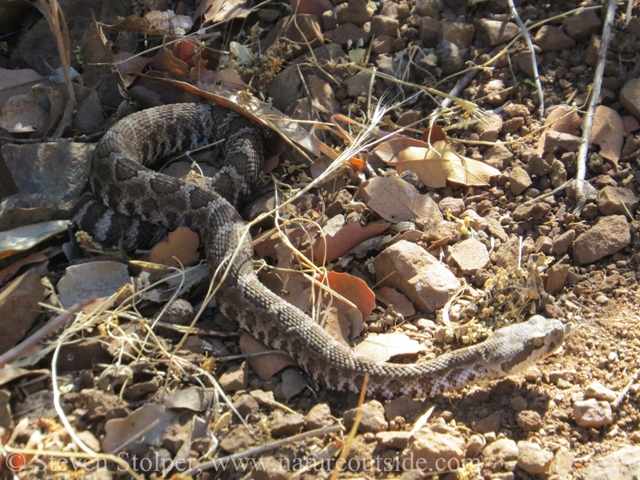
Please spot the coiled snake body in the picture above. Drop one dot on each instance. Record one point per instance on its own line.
(120, 181)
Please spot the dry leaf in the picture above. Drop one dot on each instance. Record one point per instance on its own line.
(400, 303)
(179, 249)
(353, 289)
(23, 238)
(342, 239)
(564, 119)
(608, 133)
(434, 134)
(95, 279)
(383, 347)
(396, 200)
(266, 366)
(222, 10)
(22, 116)
(18, 82)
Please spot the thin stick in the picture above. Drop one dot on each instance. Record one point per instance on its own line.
(581, 196)
(616, 403)
(534, 64)
(255, 452)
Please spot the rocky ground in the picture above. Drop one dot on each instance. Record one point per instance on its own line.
(574, 415)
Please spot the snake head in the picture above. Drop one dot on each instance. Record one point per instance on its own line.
(538, 338)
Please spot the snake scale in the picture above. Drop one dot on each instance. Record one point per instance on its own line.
(138, 197)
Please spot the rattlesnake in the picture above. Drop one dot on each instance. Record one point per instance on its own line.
(120, 181)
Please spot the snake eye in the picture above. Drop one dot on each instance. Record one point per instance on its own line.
(537, 342)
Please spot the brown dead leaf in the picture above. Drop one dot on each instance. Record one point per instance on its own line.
(384, 347)
(630, 123)
(396, 200)
(222, 10)
(180, 248)
(266, 366)
(564, 119)
(400, 303)
(176, 67)
(228, 77)
(9, 272)
(23, 238)
(18, 82)
(353, 289)
(22, 116)
(155, 23)
(434, 134)
(341, 239)
(608, 132)
(130, 65)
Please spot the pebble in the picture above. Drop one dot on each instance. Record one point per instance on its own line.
(621, 465)
(553, 39)
(529, 420)
(532, 458)
(451, 204)
(537, 211)
(285, 424)
(600, 392)
(562, 242)
(630, 97)
(583, 25)
(616, 201)
(556, 278)
(395, 440)
(359, 84)
(555, 142)
(610, 235)
(474, 446)
(520, 180)
(235, 378)
(459, 33)
(319, 416)
(372, 419)
(347, 34)
(490, 423)
(403, 406)
(433, 448)
(269, 468)
(470, 255)
(383, 25)
(238, 439)
(246, 404)
(494, 32)
(518, 403)
(489, 129)
(592, 413)
(501, 455)
(355, 12)
(426, 281)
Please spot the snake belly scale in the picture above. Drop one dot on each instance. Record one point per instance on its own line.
(137, 197)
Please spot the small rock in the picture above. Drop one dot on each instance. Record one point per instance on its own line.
(494, 92)
(617, 201)
(524, 63)
(520, 180)
(355, 12)
(459, 33)
(179, 312)
(621, 465)
(540, 166)
(529, 420)
(630, 97)
(358, 85)
(489, 129)
(403, 406)
(559, 142)
(429, 32)
(501, 454)
(600, 392)
(451, 204)
(562, 243)
(494, 32)
(433, 448)
(450, 57)
(512, 125)
(235, 378)
(583, 25)
(537, 211)
(470, 255)
(592, 413)
(427, 8)
(610, 235)
(556, 278)
(409, 117)
(383, 44)
(553, 39)
(474, 446)
(246, 404)
(319, 416)
(507, 254)
(285, 424)
(518, 403)
(514, 110)
(498, 156)
(544, 244)
(329, 20)
(426, 281)
(532, 458)
(490, 423)
(348, 32)
(395, 440)
(238, 439)
(562, 464)
(382, 25)
(269, 468)
(372, 419)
